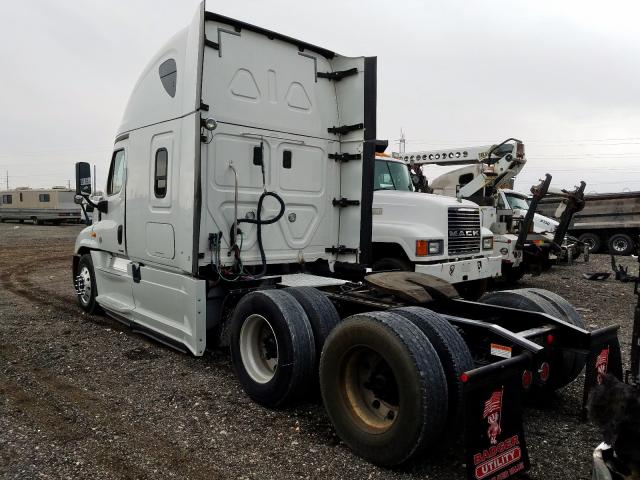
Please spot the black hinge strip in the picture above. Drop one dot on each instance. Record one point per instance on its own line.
(344, 157)
(340, 250)
(212, 44)
(338, 75)
(204, 107)
(345, 128)
(345, 202)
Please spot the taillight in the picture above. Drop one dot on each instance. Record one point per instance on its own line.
(527, 379)
(544, 371)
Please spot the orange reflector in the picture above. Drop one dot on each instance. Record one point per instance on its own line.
(93, 235)
(422, 248)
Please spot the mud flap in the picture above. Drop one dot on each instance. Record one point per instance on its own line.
(494, 436)
(604, 358)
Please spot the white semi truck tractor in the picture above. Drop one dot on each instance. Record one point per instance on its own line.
(426, 233)
(237, 213)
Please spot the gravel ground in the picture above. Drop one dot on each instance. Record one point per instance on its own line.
(83, 397)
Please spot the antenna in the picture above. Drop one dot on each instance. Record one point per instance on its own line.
(402, 142)
(7, 179)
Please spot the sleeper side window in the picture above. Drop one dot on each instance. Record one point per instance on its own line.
(116, 173)
(44, 197)
(160, 177)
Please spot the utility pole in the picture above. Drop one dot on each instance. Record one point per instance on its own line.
(68, 184)
(94, 178)
(7, 179)
(402, 142)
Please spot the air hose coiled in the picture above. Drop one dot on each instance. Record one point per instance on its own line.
(259, 223)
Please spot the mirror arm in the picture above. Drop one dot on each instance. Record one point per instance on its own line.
(101, 206)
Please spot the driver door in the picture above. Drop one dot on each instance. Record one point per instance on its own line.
(111, 263)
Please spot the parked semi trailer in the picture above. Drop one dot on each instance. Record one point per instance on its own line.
(608, 220)
(227, 221)
(54, 205)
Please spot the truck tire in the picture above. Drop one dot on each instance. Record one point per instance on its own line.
(472, 290)
(592, 240)
(272, 347)
(383, 387)
(571, 365)
(390, 263)
(513, 274)
(455, 357)
(621, 244)
(85, 285)
(322, 315)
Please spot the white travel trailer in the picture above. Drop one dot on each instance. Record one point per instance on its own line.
(241, 178)
(55, 205)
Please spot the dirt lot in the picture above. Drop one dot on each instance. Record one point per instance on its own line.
(83, 397)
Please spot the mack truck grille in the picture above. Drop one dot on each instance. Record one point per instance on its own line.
(464, 231)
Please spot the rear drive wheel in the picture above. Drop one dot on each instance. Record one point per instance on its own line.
(85, 285)
(390, 263)
(570, 364)
(383, 387)
(620, 244)
(323, 316)
(272, 347)
(592, 240)
(454, 355)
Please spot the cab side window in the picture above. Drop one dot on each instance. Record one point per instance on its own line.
(160, 179)
(116, 173)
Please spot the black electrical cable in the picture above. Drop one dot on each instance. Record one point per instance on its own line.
(259, 223)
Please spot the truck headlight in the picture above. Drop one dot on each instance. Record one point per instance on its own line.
(487, 243)
(428, 247)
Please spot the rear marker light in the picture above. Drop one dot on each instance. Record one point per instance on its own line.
(550, 339)
(527, 379)
(544, 371)
(464, 378)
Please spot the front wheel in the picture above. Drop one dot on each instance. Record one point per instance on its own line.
(85, 285)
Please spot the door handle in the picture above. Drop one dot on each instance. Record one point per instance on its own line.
(119, 234)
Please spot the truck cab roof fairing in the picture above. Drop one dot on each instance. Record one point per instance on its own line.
(150, 102)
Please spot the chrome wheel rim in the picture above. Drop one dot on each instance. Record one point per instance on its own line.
(259, 348)
(620, 245)
(83, 285)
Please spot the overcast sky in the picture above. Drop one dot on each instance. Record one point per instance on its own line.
(564, 76)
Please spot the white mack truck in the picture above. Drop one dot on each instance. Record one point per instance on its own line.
(237, 213)
(524, 242)
(427, 233)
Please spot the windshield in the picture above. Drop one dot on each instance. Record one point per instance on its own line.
(518, 202)
(392, 176)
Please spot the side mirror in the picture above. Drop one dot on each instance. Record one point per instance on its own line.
(78, 199)
(83, 178)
